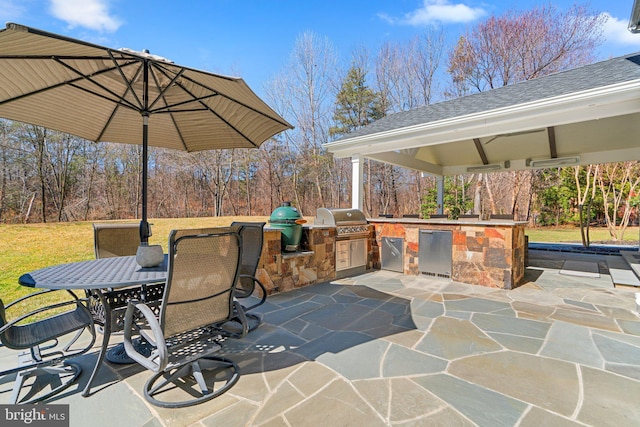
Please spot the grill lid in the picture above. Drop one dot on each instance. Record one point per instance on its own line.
(338, 217)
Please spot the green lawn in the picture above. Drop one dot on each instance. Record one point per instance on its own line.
(29, 247)
(598, 235)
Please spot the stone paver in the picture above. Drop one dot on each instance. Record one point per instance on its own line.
(583, 349)
(479, 404)
(452, 338)
(384, 349)
(607, 399)
(548, 383)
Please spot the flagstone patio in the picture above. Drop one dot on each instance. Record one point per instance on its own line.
(387, 349)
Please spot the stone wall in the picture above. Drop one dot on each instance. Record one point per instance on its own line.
(483, 253)
(282, 271)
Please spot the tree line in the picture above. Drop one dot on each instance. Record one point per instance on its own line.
(50, 176)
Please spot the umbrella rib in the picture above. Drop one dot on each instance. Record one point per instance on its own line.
(128, 89)
(167, 108)
(186, 77)
(220, 117)
(124, 78)
(89, 79)
(198, 100)
(125, 104)
(161, 96)
(63, 83)
(164, 90)
(107, 123)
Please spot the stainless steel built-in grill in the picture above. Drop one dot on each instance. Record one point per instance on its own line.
(349, 223)
(352, 232)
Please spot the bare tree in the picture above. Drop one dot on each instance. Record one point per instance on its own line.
(304, 92)
(583, 194)
(617, 183)
(406, 73)
(519, 46)
(405, 78)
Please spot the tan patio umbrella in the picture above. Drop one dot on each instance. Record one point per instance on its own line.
(118, 95)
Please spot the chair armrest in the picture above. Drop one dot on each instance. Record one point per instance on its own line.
(242, 318)
(158, 359)
(35, 294)
(76, 301)
(262, 288)
(47, 324)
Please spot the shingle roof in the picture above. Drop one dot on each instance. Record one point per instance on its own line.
(600, 74)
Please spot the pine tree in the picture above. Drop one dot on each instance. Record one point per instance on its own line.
(356, 104)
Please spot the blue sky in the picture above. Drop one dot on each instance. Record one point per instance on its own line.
(254, 39)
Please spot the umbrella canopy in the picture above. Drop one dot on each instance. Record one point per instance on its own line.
(119, 95)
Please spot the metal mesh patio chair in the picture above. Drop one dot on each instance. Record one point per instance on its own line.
(115, 239)
(238, 326)
(203, 270)
(39, 334)
(252, 236)
(121, 239)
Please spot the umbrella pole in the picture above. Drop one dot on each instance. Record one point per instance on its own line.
(145, 231)
(146, 256)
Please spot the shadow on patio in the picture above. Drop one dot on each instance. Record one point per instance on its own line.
(334, 323)
(388, 349)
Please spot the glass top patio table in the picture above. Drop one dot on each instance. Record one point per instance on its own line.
(102, 277)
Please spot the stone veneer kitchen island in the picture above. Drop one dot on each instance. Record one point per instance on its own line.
(487, 253)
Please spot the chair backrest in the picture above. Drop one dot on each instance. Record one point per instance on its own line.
(438, 216)
(112, 239)
(252, 236)
(203, 230)
(202, 273)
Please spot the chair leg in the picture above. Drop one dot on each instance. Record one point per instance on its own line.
(73, 340)
(197, 374)
(17, 386)
(61, 377)
(253, 321)
(184, 379)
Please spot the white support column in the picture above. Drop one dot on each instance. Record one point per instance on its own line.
(357, 182)
(440, 195)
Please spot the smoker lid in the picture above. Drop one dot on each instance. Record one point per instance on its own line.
(335, 216)
(286, 214)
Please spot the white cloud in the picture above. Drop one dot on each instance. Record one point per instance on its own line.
(438, 11)
(11, 10)
(92, 14)
(616, 32)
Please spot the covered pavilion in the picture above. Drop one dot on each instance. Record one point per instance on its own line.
(587, 115)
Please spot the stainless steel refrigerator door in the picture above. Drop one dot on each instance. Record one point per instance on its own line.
(392, 250)
(434, 256)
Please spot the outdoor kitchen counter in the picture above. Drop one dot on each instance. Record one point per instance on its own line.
(487, 253)
(443, 221)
